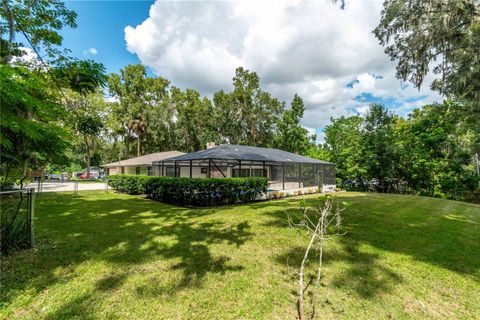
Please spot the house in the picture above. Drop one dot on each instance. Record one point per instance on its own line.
(139, 165)
(284, 170)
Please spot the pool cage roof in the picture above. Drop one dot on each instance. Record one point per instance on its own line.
(244, 153)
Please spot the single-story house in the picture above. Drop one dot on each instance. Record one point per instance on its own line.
(284, 170)
(139, 165)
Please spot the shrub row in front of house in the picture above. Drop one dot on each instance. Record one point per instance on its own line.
(192, 191)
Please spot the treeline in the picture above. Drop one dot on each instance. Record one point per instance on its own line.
(147, 114)
(431, 152)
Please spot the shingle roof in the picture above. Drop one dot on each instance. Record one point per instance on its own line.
(238, 152)
(145, 160)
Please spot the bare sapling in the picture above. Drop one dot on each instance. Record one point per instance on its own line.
(322, 223)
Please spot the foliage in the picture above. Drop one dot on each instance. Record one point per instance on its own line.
(169, 118)
(291, 136)
(429, 153)
(188, 191)
(137, 95)
(132, 184)
(82, 76)
(31, 135)
(442, 34)
(247, 115)
(38, 20)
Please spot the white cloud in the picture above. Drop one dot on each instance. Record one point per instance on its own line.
(312, 48)
(29, 59)
(90, 51)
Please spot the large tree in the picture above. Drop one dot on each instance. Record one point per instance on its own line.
(442, 36)
(291, 135)
(31, 135)
(39, 23)
(247, 115)
(378, 152)
(137, 96)
(343, 142)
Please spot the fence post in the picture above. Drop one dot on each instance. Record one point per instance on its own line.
(32, 216)
(75, 188)
(106, 184)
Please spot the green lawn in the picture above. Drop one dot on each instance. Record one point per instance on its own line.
(115, 256)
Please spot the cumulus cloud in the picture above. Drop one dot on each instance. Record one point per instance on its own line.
(90, 51)
(314, 48)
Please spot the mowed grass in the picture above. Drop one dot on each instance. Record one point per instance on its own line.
(115, 256)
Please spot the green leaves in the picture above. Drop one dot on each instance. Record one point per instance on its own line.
(82, 76)
(428, 153)
(196, 192)
(445, 34)
(291, 135)
(31, 134)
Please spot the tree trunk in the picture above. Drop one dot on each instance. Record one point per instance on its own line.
(301, 299)
(127, 147)
(138, 145)
(87, 147)
(11, 31)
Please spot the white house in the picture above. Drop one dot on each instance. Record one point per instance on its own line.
(139, 165)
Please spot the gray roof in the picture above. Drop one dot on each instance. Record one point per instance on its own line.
(145, 160)
(238, 152)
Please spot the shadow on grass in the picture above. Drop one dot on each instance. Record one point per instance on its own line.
(123, 232)
(438, 232)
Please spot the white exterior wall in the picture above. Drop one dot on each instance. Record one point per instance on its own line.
(128, 170)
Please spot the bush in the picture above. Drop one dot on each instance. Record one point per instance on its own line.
(129, 183)
(192, 191)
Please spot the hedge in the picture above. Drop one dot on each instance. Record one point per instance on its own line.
(129, 183)
(192, 191)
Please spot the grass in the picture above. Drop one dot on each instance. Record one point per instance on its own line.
(109, 256)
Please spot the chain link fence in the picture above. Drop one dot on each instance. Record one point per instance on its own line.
(16, 219)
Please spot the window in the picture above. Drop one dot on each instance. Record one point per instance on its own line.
(236, 173)
(122, 170)
(137, 170)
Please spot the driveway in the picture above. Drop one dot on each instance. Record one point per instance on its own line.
(67, 186)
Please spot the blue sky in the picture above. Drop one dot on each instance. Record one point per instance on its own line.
(326, 54)
(101, 26)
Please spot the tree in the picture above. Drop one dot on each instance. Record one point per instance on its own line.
(442, 34)
(378, 152)
(31, 135)
(247, 115)
(434, 150)
(343, 141)
(83, 78)
(194, 120)
(291, 135)
(137, 96)
(85, 118)
(38, 21)
(322, 224)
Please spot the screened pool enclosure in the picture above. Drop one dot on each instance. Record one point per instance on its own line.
(284, 170)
